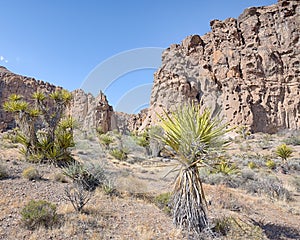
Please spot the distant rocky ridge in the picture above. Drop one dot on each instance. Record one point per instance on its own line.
(13, 83)
(248, 69)
(89, 112)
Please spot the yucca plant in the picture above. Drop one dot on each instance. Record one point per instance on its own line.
(43, 132)
(284, 152)
(105, 140)
(194, 134)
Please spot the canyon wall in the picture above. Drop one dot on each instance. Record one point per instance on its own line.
(248, 69)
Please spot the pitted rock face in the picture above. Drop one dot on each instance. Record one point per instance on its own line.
(92, 112)
(247, 68)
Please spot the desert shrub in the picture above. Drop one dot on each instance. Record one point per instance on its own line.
(296, 183)
(31, 173)
(232, 180)
(99, 130)
(248, 174)
(105, 140)
(269, 186)
(244, 131)
(222, 225)
(163, 201)
(293, 139)
(44, 133)
(265, 143)
(156, 145)
(143, 140)
(89, 176)
(78, 196)
(284, 152)
(120, 154)
(109, 187)
(270, 164)
(294, 165)
(39, 213)
(252, 165)
(3, 172)
(60, 177)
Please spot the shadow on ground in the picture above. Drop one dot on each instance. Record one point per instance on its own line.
(278, 232)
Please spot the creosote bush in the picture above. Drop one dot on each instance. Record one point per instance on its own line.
(39, 213)
(44, 132)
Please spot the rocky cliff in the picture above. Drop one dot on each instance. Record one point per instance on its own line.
(92, 112)
(246, 68)
(13, 83)
(88, 111)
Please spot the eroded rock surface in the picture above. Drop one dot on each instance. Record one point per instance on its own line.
(88, 111)
(247, 68)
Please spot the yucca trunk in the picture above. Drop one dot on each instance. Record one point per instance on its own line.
(189, 201)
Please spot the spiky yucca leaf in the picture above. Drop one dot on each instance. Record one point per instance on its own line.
(15, 97)
(66, 96)
(15, 106)
(193, 134)
(55, 95)
(284, 152)
(34, 112)
(39, 96)
(66, 123)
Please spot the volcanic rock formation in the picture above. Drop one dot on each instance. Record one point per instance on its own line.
(246, 68)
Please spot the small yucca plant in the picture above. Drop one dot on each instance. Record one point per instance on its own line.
(193, 134)
(284, 152)
(105, 140)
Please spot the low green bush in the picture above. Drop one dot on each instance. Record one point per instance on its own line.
(270, 164)
(163, 202)
(39, 213)
(120, 154)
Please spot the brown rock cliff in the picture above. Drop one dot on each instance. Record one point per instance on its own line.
(248, 68)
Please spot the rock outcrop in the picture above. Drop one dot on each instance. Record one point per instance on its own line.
(92, 112)
(13, 83)
(130, 122)
(88, 111)
(247, 68)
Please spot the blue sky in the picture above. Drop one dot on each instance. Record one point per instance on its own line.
(62, 41)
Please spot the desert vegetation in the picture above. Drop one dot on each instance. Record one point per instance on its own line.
(179, 180)
(43, 131)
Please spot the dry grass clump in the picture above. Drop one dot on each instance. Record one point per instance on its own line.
(60, 177)
(31, 173)
(39, 213)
